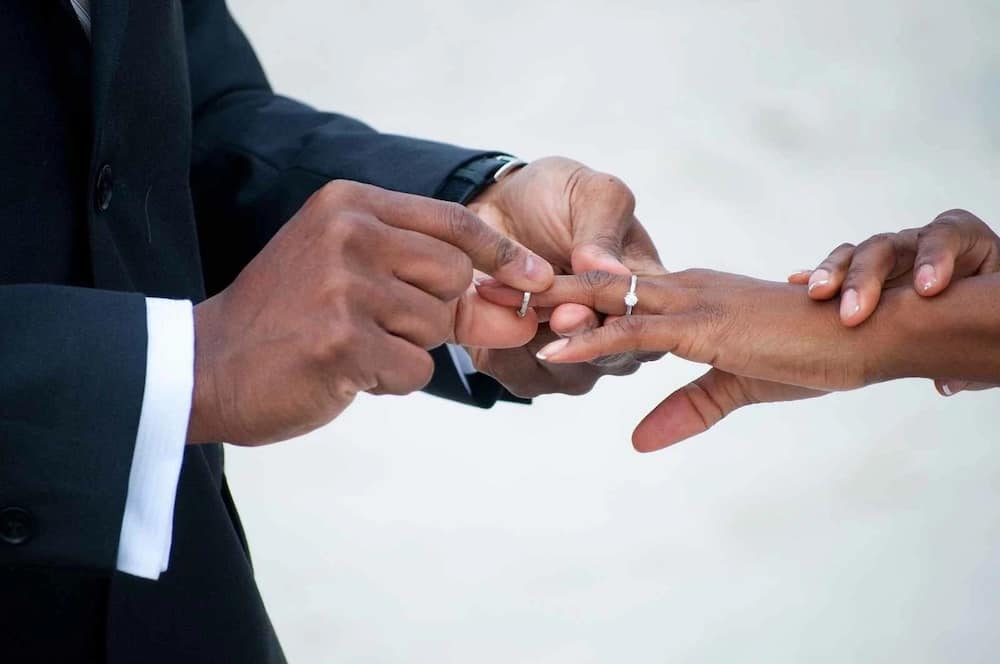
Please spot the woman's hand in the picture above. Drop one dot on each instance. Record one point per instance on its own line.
(768, 343)
(698, 308)
(956, 244)
(751, 327)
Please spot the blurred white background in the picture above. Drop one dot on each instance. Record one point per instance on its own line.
(862, 527)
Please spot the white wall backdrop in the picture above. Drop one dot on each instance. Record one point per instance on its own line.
(863, 527)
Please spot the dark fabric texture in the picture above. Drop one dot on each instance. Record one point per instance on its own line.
(153, 160)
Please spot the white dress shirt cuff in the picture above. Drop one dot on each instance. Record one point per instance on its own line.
(147, 526)
(463, 364)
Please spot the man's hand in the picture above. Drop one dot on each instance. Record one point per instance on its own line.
(346, 298)
(579, 220)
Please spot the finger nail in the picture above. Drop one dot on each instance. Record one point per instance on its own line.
(952, 387)
(926, 278)
(799, 273)
(535, 267)
(488, 282)
(818, 278)
(551, 349)
(850, 304)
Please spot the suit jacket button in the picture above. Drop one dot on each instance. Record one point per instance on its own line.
(15, 525)
(103, 188)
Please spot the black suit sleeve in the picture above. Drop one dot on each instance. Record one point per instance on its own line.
(257, 156)
(71, 392)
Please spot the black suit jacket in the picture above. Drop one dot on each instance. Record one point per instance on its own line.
(154, 160)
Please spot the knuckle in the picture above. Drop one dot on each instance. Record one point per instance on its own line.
(352, 230)
(458, 221)
(421, 370)
(956, 215)
(615, 189)
(633, 327)
(608, 240)
(578, 385)
(595, 280)
(458, 275)
(440, 326)
(878, 240)
(336, 190)
(506, 251)
(693, 276)
(844, 246)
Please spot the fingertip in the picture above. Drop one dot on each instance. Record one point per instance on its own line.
(857, 307)
(821, 286)
(673, 420)
(538, 272)
(949, 388)
(927, 281)
(850, 307)
(571, 319)
(800, 278)
(642, 445)
(550, 352)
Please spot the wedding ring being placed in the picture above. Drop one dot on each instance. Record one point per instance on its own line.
(631, 299)
(523, 311)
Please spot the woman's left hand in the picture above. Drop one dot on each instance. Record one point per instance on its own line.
(768, 343)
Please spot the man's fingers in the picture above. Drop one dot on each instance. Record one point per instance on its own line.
(431, 265)
(569, 320)
(602, 208)
(825, 280)
(490, 250)
(700, 405)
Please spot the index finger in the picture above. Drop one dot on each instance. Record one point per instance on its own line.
(490, 251)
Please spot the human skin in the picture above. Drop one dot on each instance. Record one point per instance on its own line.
(347, 298)
(955, 245)
(766, 341)
(578, 219)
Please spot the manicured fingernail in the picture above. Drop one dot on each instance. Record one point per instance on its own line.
(926, 278)
(799, 273)
(850, 304)
(952, 387)
(489, 282)
(551, 349)
(818, 278)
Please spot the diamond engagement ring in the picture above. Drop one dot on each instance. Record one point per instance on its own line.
(631, 299)
(523, 311)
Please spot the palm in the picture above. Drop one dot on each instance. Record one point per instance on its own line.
(579, 220)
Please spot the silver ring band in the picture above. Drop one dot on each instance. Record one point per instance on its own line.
(631, 299)
(523, 311)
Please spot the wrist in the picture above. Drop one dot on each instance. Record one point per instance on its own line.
(952, 335)
(202, 427)
(487, 203)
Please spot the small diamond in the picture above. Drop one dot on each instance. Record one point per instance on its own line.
(631, 299)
